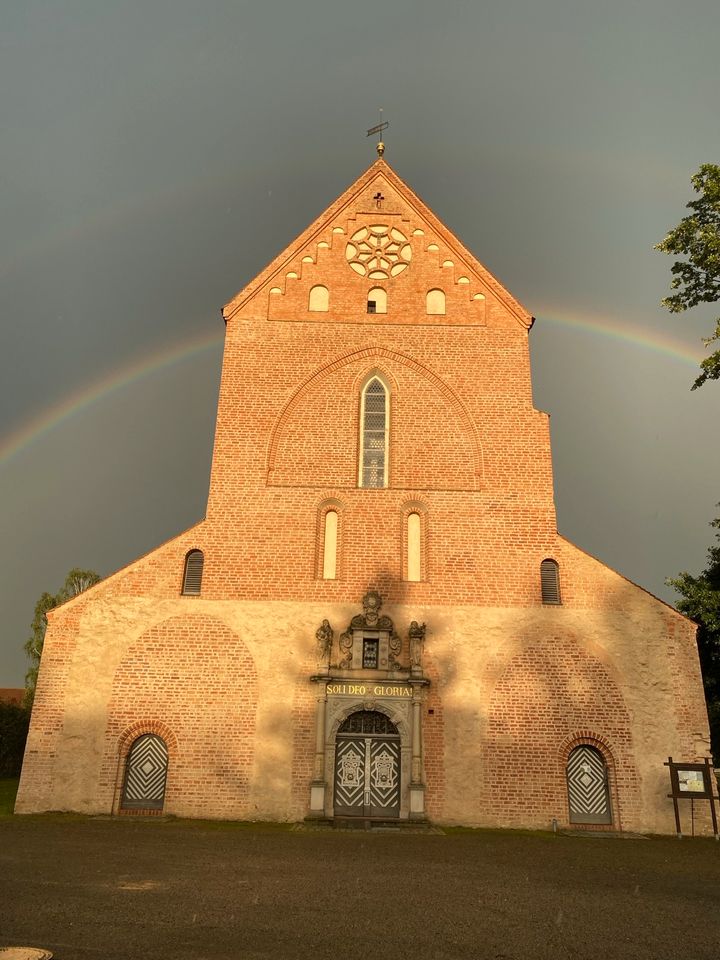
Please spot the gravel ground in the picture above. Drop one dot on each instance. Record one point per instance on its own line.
(133, 889)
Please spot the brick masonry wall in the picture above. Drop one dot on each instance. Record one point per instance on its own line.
(513, 683)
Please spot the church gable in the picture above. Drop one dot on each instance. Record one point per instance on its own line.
(378, 255)
(375, 439)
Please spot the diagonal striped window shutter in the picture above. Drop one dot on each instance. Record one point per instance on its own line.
(145, 774)
(587, 781)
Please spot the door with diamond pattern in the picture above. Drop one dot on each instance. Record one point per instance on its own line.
(367, 767)
(588, 786)
(145, 774)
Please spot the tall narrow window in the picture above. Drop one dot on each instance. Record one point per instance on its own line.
(414, 565)
(550, 581)
(192, 579)
(374, 434)
(330, 546)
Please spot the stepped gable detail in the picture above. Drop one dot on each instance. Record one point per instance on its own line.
(396, 244)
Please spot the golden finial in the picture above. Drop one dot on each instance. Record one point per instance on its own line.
(378, 128)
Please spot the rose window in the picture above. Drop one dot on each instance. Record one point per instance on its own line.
(378, 252)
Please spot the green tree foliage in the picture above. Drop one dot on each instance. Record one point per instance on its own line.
(75, 582)
(14, 721)
(701, 602)
(696, 279)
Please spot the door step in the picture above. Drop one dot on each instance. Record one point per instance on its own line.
(379, 825)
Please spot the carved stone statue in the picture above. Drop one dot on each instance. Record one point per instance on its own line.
(395, 645)
(370, 617)
(372, 604)
(346, 643)
(416, 634)
(324, 637)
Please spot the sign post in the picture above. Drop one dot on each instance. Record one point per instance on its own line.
(692, 781)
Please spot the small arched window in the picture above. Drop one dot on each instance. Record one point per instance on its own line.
(374, 418)
(435, 302)
(377, 300)
(319, 300)
(587, 783)
(414, 558)
(192, 578)
(550, 581)
(145, 774)
(330, 545)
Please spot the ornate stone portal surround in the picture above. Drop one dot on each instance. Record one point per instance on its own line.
(365, 670)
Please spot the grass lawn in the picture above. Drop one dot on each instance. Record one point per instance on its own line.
(8, 791)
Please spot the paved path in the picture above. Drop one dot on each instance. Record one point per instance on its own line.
(130, 890)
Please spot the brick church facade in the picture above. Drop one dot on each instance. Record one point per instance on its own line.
(377, 618)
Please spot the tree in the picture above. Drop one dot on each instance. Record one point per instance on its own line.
(14, 721)
(697, 279)
(701, 602)
(76, 582)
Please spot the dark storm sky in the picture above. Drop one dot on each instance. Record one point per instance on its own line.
(155, 155)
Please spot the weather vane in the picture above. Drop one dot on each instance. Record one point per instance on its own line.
(378, 128)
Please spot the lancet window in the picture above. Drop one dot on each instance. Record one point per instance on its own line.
(374, 422)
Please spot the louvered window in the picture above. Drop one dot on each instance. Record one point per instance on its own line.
(550, 581)
(192, 581)
(373, 456)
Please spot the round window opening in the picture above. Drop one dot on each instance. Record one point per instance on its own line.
(378, 252)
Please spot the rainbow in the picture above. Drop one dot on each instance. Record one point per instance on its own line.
(627, 332)
(35, 428)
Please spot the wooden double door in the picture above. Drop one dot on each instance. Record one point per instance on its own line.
(367, 767)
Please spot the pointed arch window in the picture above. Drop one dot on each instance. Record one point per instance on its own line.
(192, 577)
(374, 422)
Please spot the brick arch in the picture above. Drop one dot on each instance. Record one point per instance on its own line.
(372, 355)
(552, 695)
(378, 706)
(141, 727)
(192, 681)
(368, 372)
(588, 738)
